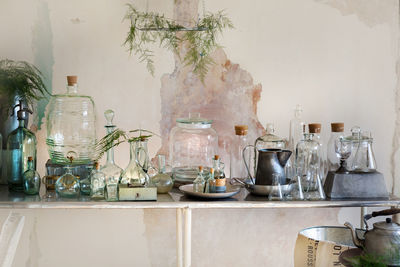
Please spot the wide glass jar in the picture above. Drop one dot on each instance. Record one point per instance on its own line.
(193, 143)
(71, 125)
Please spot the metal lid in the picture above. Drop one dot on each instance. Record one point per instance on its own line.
(387, 225)
(194, 121)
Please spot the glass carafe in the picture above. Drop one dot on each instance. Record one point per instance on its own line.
(308, 162)
(21, 144)
(333, 160)
(111, 170)
(162, 180)
(240, 141)
(134, 174)
(362, 157)
(71, 125)
(193, 143)
(31, 179)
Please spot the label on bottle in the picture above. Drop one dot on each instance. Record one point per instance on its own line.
(220, 182)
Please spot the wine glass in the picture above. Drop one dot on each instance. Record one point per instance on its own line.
(343, 150)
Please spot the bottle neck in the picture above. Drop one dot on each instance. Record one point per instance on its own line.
(30, 164)
(21, 123)
(72, 89)
(110, 156)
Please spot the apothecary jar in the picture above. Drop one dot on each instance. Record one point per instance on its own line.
(193, 143)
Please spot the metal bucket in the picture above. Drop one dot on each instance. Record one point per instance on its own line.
(321, 246)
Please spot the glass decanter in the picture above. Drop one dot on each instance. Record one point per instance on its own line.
(308, 162)
(162, 180)
(199, 182)
(333, 161)
(240, 141)
(134, 173)
(21, 144)
(110, 169)
(31, 179)
(296, 128)
(68, 185)
(98, 183)
(71, 125)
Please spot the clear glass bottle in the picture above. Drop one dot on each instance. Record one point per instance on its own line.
(315, 130)
(162, 180)
(193, 142)
(308, 162)
(98, 183)
(112, 188)
(110, 169)
(211, 182)
(199, 182)
(333, 160)
(240, 141)
(296, 128)
(31, 179)
(21, 144)
(68, 185)
(71, 125)
(85, 183)
(134, 173)
(219, 175)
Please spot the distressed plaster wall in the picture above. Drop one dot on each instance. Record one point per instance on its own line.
(336, 58)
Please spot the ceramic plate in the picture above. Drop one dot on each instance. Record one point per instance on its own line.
(230, 191)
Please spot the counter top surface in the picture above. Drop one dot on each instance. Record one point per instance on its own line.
(176, 199)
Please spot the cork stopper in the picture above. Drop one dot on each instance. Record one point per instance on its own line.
(30, 158)
(211, 170)
(337, 127)
(216, 157)
(314, 127)
(96, 166)
(241, 129)
(72, 80)
(200, 168)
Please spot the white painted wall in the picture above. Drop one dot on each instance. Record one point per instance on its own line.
(335, 57)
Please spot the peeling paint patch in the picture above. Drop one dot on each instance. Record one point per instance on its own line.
(371, 13)
(77, 21)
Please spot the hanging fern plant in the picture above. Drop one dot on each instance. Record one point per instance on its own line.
(149, 28)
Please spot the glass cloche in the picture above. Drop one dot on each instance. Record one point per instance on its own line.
(193, 143)
(71, 125)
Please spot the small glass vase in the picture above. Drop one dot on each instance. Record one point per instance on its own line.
(162, 180)
(68, 185)
(31, 179)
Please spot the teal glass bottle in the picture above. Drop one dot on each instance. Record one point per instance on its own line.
(31, 179)
(21, 144)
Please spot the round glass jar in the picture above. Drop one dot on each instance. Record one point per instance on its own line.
(193, 143)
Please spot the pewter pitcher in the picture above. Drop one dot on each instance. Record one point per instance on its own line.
(269, 161)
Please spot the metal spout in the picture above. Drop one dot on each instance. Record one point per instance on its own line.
(283, 157)
(357, 241)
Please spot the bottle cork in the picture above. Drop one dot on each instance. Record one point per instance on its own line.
(211, 170)
(241, 129)
(216, 157)
(30, 158)
(337, 127)
(96, 165)
(314, 127)
(72, 80)
(200, 168)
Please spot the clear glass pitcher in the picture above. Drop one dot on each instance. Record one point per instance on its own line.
(135, 174)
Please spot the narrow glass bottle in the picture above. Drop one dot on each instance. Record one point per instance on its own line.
(315, 130)
(98, 183)
(211, 182)
(199, 182)
(333, 160)
(296, 128)
(111, 170)
(31, 179)
(162, 180)
(220, 180)
(240, 141)
(21, 144)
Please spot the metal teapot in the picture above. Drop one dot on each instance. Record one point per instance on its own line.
(383, 240)
(269, 161)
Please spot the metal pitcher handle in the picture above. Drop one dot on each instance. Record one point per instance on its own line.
(247, 164)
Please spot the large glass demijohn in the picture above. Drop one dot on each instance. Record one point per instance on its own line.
(71, 125)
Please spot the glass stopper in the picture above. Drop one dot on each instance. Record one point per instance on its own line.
(356, 132)
(109, 115)
(270, 128)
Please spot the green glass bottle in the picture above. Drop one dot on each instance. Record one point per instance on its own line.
(31, 179)
(21, 144)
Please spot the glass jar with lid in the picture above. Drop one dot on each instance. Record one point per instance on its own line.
(71, 125)
(193, 143)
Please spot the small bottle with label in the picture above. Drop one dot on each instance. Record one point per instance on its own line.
(199, 182)
(220, 180)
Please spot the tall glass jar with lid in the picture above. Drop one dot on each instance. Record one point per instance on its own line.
(193, 143)
(71, 125)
